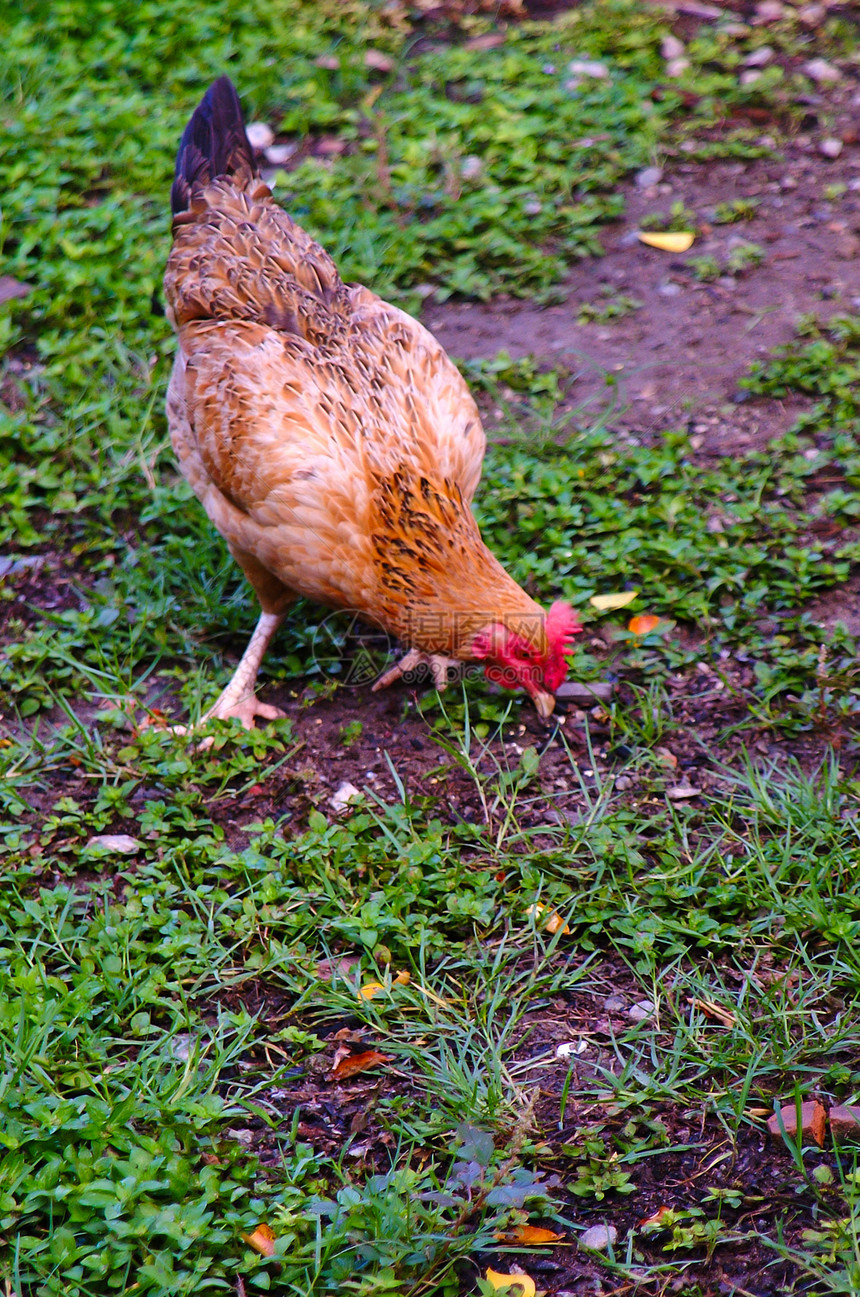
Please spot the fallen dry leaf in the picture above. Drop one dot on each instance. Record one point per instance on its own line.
(530, 1234)
(355, 1063)
(669, 240)
(526, 1285)
(712, 1010)
(262, 1240)
(370, 989)
(552, 923)
(643, 624)
(605, 602)
(661, 1219)
(682, 792)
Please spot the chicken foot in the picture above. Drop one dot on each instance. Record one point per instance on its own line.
(238, 698)
(436, 663)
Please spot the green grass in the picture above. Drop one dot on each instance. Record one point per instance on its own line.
(166, 1027)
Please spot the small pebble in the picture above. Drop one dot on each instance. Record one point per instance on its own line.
(571, 1048)
(614, 1004)
(278, 154)
(116, 843)
(589, 68)
(345, 796)
(649, 176)
(641, 1011)
(820, 71)
(769, 11)
(830, 148)
(599, 1238)
(749, 77)
(471, 167)
(669, 289)
(671, 47)
(677, 67)
(812, 15)
(759, 58)
(377, 61)
(260, 136)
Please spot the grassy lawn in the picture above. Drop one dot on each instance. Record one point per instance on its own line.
(533, 978)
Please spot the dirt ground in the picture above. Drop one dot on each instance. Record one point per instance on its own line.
(680, 356)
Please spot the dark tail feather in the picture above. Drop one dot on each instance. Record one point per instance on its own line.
(214, 143)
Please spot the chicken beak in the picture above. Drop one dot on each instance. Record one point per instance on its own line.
(544, 704)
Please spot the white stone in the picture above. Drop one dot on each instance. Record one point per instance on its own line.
(278, 154)
(345, 796)
(589, 68)
(759, 58)
(599, 1238)
(820, 71)
(571, 1048)
(677, 67)
(830, 148)
(649, 176)
(260, 136)
(671, 47)
(116, 843)
(641, 1011)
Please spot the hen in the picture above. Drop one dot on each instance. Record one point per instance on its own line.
(329, 438)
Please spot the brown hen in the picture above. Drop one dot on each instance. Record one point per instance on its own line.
(329, 438)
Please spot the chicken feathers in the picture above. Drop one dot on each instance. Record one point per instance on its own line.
(329, 438)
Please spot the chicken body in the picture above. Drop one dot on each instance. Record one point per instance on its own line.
(326, 433)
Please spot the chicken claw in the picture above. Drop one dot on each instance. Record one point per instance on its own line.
(243, 709)
(437, 664)
(238, 699)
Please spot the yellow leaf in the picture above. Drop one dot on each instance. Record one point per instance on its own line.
(669, 241)
(605, 602)
(643, 624)
(370, 989)
(262, 1240)
(523, 1282)
(551, 923)
(531, 1234)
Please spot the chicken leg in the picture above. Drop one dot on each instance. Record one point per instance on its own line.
(238, 698)
(436, 663)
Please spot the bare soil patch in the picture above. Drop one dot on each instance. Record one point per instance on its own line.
(679, 358)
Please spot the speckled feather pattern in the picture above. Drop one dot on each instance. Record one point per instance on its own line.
(330, 439)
